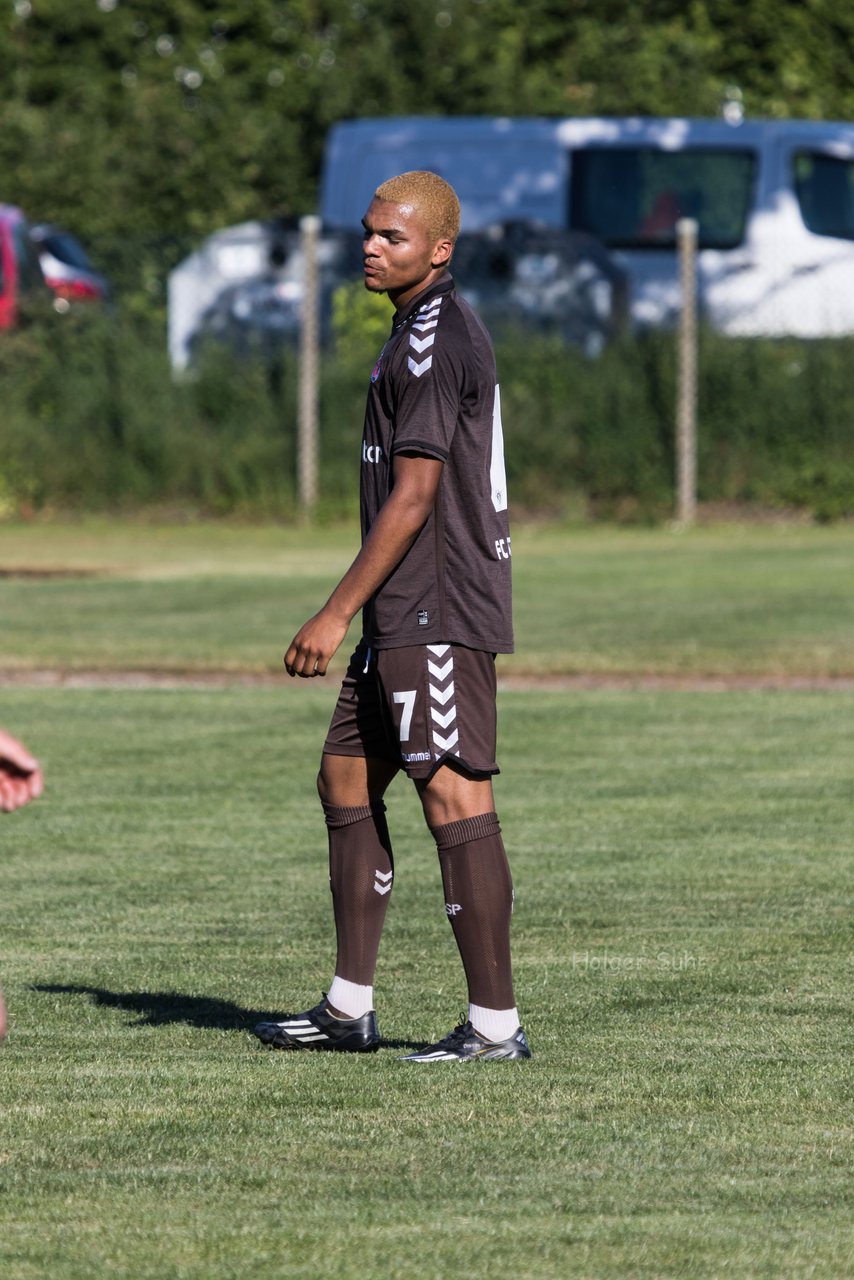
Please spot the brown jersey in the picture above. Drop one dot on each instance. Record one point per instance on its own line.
(434, 392)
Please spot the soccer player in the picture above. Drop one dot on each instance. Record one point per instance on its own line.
(21, 781)
(433, 581)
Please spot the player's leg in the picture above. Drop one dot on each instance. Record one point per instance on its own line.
(442, 698)
(355, 771)
(361, 872)
(460, 812)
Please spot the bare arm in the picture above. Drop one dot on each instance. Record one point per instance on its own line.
(401, 518)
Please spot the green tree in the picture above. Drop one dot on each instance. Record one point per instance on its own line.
(145, 125)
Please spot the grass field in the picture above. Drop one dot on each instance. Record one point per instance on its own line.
(682, 936)
(758, 600)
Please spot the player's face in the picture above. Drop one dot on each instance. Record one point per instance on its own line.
(400, 256)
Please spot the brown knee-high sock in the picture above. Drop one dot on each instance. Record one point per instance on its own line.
(361, 870)
(479, 903)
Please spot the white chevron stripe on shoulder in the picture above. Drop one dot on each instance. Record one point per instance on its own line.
(427, 317)
(419, 369)
(421, 344)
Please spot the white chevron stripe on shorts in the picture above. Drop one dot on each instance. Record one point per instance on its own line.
(440, 685)
(442, 720)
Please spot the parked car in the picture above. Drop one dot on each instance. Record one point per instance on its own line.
(244, 288)
(67, 267)
(546, 279)
(23, 291)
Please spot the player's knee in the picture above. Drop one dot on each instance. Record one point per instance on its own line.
(329, 779)
(342, 781)
(453, 794)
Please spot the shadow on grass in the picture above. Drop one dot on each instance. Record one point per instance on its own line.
(156, 1008)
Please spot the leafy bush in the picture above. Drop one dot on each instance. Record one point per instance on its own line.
(93, 419)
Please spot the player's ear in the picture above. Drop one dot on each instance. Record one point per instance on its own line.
(442, 253)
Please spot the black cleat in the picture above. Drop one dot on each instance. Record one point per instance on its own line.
(317, 1028)
(464, 1044)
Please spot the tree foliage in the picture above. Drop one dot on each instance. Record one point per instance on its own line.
(144, 125)
(146, 118)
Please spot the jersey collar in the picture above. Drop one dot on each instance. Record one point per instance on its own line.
(443, 285)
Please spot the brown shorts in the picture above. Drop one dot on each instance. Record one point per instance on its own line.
(420, 707)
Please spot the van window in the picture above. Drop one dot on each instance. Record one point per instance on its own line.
(632, 197)
(824, 186)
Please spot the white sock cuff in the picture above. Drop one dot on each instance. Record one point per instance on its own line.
(350, 998)
(494, 1024)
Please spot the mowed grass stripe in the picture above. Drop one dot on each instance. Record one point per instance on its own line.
(762, 601)
(682, 934)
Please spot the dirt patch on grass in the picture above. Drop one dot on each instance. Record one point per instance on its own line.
(688, 683)
(47, 571)
(170, 678)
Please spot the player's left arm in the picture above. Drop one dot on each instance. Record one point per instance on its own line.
(401, 518)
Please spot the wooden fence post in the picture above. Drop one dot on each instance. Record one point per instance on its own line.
(686, 397)
(309, 355)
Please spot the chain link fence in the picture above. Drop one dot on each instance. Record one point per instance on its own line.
(94, 418)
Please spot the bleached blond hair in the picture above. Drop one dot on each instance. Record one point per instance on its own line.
(433, 197)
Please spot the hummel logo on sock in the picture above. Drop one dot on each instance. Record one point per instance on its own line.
(382, 883)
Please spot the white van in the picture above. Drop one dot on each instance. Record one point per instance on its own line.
(774, 201)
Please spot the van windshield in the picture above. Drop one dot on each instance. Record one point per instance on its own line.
(632, 197)
(824, 186)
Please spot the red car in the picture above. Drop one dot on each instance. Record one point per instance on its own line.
(67, 268)
(22, 285)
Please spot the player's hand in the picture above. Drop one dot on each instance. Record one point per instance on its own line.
(314, 645)
(21, 778)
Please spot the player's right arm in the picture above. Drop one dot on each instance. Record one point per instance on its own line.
(398, 523)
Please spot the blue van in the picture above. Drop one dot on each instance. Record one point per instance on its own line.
(774, 201)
